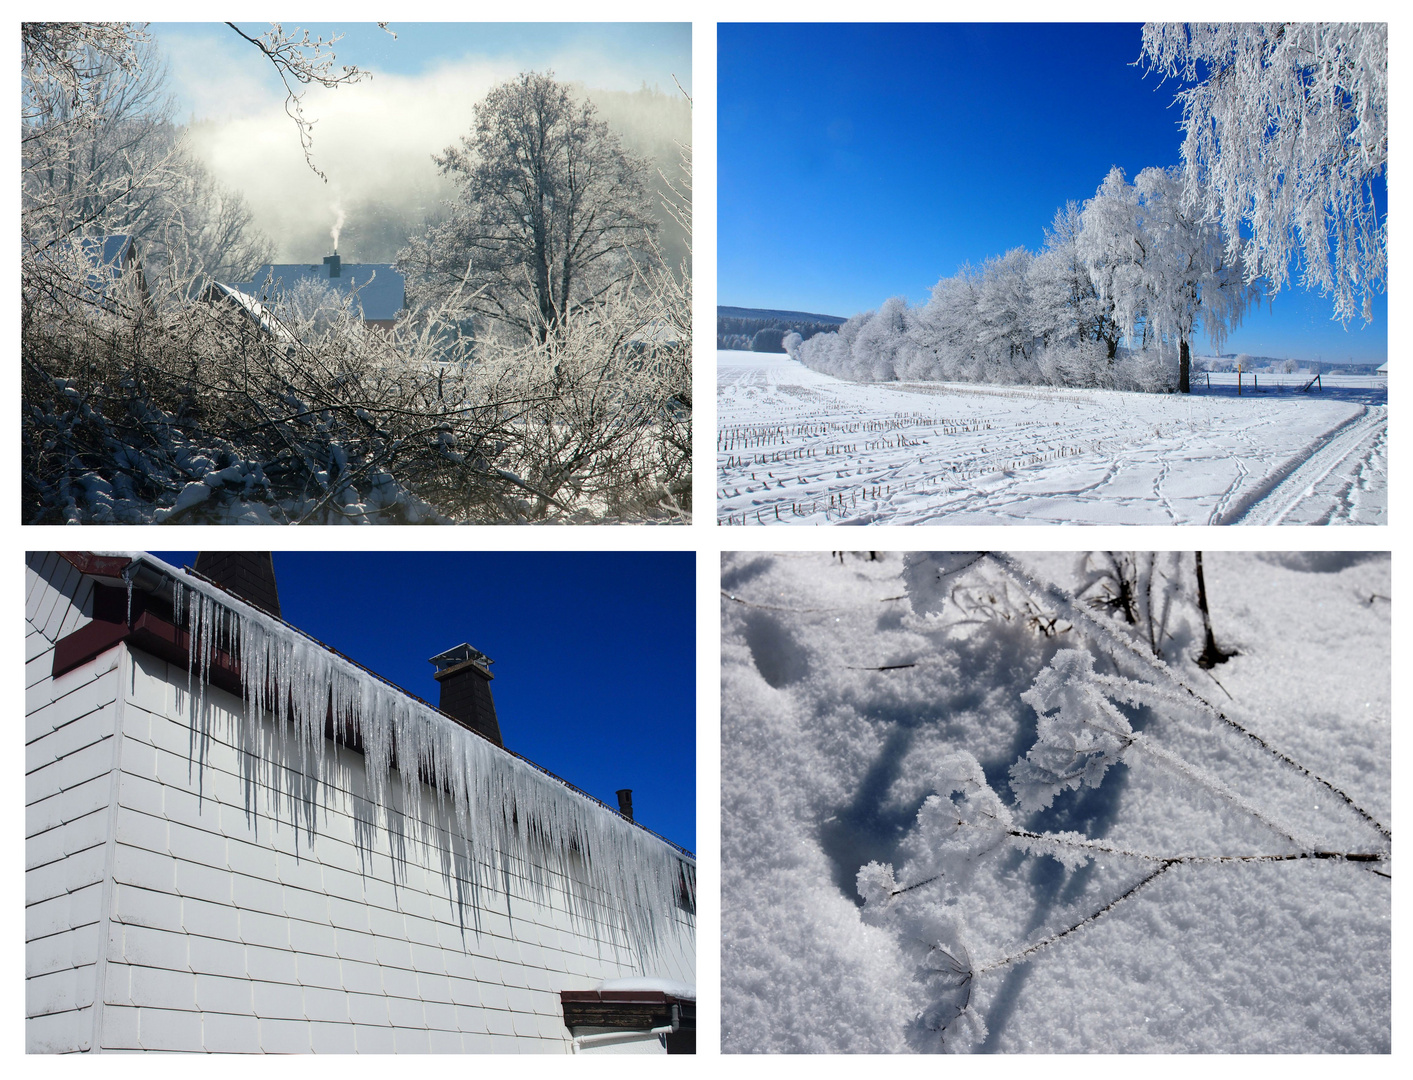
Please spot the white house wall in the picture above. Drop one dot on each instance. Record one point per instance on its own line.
(231, 932)
(70, 757)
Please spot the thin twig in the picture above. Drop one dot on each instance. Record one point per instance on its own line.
(1031, 949)
(802, 611)
(1027, 580)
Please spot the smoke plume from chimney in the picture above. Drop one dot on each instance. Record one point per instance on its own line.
(337, 208)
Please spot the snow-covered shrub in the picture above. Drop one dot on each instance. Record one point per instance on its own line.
(879, 340)
(768, 339)
(1076, 363)
(192, 412)
(791, 343)
(829, 352)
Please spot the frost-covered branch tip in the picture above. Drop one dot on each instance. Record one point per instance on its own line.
(307, 61)
(1106, 633)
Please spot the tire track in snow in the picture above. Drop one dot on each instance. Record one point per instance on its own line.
(1281, 493)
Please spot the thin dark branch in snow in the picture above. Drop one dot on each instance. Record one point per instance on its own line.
(1168, 864)
(886, 667)
(1078, 615)
(1032, 949)
(805, 611)
(1220, 687)
(916, 885)
(1362, 857)
(1094, 845)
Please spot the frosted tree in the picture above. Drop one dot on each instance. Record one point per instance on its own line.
(100, 155)
(553, 213)
(1004, 330)
(949, 321)
(1161, 266)
(1286, 132)
(880, 341)
(1066, 305)
(1193, 277)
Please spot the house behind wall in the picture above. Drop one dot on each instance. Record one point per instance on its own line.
(172, 905)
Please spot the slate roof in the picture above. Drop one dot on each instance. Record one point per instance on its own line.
(379, 291)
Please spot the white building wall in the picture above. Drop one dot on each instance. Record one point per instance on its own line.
(70, 757)
(232, 931)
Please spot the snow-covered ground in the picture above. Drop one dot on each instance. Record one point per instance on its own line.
(846, 711)
(798, 447)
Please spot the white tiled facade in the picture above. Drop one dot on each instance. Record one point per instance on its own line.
(160, 918)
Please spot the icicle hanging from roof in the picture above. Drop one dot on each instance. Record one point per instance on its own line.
(514, 817)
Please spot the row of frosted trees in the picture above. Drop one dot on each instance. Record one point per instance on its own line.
(1282, 180)
(1114, 299)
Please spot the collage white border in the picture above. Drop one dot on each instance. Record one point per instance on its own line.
(708, 540)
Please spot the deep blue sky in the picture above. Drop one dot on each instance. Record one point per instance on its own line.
(859, 162)
(595, 653)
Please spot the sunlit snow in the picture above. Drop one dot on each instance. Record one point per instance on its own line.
(798, 447)
(964, 806)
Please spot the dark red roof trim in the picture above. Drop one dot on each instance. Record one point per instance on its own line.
(86, 562)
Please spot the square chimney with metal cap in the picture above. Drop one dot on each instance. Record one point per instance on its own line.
(465, 677)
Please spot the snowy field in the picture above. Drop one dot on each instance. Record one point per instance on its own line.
(1185, 890)
(798, 447)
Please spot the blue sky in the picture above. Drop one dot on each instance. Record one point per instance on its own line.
(615, 56)
(859, 162)
(595, 653)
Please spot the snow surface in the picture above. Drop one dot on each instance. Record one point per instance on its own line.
(795, 446)
(497, 813)
(832, 766)
(671, 987)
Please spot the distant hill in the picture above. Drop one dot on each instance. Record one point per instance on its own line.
(1227, 362)
(762, 328)
(770, 313)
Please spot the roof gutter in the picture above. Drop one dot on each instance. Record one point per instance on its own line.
(603, 1037)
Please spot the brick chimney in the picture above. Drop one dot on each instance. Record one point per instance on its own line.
(625, 802)
(332, 262)
(248, 574)
(465, 676)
